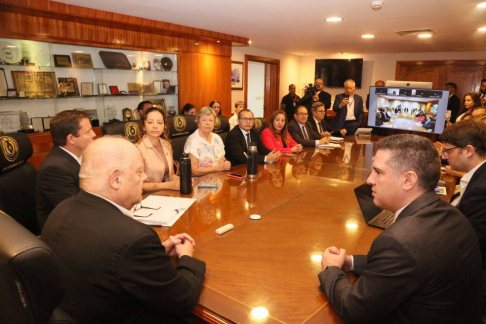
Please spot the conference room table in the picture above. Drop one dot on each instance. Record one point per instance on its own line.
(306, 203)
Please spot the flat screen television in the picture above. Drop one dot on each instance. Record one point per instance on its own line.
(335, 71)
(410, 109)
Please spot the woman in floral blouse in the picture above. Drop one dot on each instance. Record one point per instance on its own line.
(205, 148)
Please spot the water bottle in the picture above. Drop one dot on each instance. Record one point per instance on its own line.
(252, 171)
(186, 181)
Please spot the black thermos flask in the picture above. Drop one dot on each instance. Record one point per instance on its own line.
(186, 181)
(252, 171)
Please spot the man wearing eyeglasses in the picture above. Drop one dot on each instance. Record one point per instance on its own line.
(116, 269)
(241, 136)
(301, 130)
(318, 123)
(464, 147)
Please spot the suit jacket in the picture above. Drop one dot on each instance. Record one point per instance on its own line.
(340, 117)
(473, 206)
(271, 143)
(454, 105)
(325, 126)
(236, 148)
(57, 179)
(295, 131)
(425, 268)
(324, 97)
(115, 268)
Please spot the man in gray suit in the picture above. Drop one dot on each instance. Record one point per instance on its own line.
(424, 268)
(301, 130)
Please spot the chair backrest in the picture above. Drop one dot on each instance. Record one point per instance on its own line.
(180, 127)
(30, 277)
(17, 180)
(129, 130)
(260, 124)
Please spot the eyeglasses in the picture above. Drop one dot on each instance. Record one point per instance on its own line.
(446, 151)
(303, 114)
(139, 206)
(245, 119)
(320, 111)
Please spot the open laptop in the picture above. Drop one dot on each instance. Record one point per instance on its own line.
(372, 214)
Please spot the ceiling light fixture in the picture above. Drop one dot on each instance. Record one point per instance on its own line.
(482, 29)
(78, 52)
(218, 41)
(481, 5)
(425, 35)
(249, 42)
(334, 19)
(368, 36)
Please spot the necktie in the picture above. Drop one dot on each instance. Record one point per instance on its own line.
(320, 127)
(248, 140)
(305, 133)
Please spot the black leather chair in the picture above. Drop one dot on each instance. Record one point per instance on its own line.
(129, 130)
(17, 180)
(260, 124)
(31, 285)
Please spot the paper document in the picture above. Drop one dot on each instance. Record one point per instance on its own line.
(160, 210)
(329, 146)
(335, 139)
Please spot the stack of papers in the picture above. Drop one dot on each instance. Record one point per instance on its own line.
(335, 139)
(161, 211)
(329, 146)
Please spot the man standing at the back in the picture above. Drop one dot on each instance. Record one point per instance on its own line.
(58, 176)
(349, 109)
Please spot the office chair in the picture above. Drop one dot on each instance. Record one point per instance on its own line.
(30, 278)
(260, 124)
(129, 130)
(17, 180)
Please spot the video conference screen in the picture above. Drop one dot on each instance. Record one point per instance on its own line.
(417, 110)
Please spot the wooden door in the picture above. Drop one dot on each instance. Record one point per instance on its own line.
(422, 73)
(271, 102)
(272, 80)
(467, 78)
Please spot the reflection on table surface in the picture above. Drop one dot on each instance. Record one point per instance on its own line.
(307, 204)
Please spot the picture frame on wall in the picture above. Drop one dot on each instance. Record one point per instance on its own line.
(237, 75)
(35, 84)
(82, 60)
(62, 60)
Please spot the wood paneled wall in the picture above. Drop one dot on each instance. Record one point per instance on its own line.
(210, 83)
(204, 69)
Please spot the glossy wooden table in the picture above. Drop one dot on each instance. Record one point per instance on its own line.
(307, 204)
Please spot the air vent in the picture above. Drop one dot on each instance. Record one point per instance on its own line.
(415, 32)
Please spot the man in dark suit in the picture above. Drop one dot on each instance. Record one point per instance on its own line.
(57, 178)
(464, 147)
(301, 130)
(424, 268)
(116, 269)
(349, 109)
(384, 115)
(454, 103)
(241, 136)
(319, 96)
(319, 124)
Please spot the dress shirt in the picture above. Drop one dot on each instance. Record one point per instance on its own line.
(306, 135)
(78, 159)
(125, 211)
(350, 113)
(247, 137)
(464, 182)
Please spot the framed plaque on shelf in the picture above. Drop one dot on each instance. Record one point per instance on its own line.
(102, 89)
(87, 88)
(69, 86)
(62, 60)
(35, 84)
(114, 90)
(82, 60)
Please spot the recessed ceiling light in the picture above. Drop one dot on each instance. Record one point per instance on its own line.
(249, 42)
(218, 41)
(425, 35)
(481, 5)
(482, 29)
(78, 52)
(368, 36)
(334, 19)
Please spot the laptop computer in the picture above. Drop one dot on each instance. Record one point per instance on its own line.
(372, 214)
